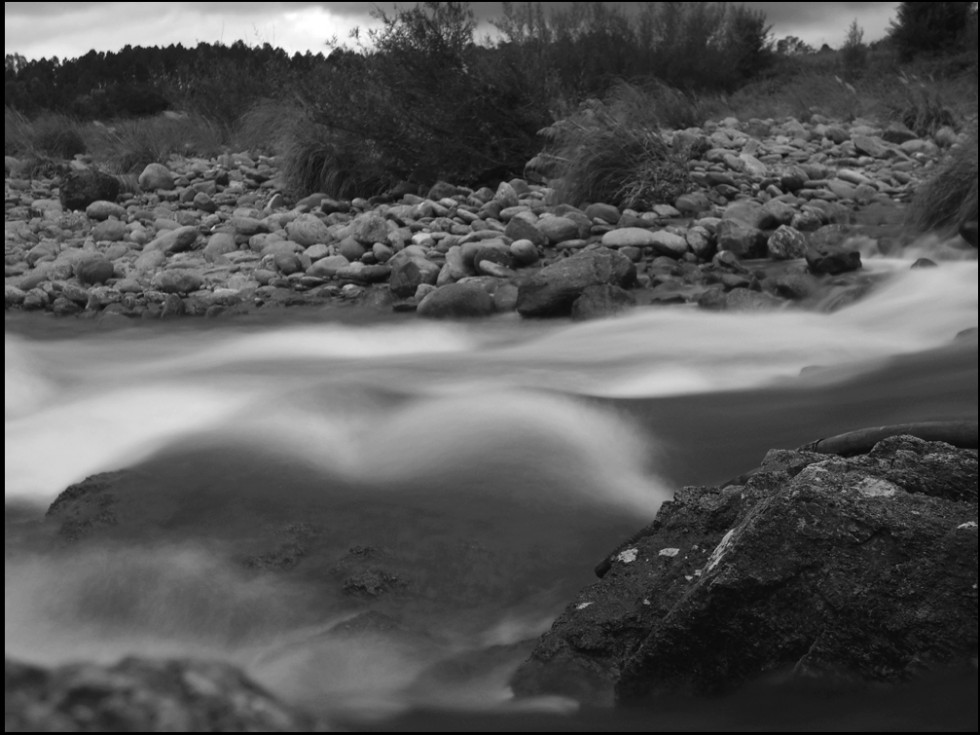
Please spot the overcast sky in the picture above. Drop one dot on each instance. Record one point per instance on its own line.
(69, 30)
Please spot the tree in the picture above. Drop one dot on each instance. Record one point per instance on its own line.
(854, 53)
(793, 46)
(931, 28)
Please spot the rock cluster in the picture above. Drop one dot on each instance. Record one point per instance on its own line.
(770, 222)
(859, 569)
(143, 695)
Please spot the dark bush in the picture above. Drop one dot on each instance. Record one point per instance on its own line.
(932, 28)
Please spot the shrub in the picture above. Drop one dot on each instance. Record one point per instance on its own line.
(854, 53)
(932, 28)
(950, 197)
(613, 152)
(422, 103)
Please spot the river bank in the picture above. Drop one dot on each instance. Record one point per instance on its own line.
(779, 216)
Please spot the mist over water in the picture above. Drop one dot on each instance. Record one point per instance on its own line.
(494, 463)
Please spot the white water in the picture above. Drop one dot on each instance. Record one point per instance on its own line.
(497, 421)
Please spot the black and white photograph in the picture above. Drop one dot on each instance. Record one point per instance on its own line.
(490, 366)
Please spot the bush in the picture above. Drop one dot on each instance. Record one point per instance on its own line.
(422, 103)
(854, 53)
(613, 152)
(932, 28)
(950, 198)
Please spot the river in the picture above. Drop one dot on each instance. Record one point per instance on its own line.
(492, 463)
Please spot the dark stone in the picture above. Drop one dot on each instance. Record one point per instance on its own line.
(813, 566)
(832, 260)
(456, 301)
(552, 290)
(968, 231)
(93, 270)
(81, 188)
(742, 239)
(407, 274)
(142, 695)
(597, 302)
(923, 263)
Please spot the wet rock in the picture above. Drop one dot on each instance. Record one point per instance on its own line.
(368, 229)
(457, 301)
(220, 243)
(156, 176)
(601, 301)
(523, 228)
(669, 244)
(605, 212)
(552, 290)
(80, 188)
(693, 203)
(93, 270)
(524, 252)
(329, 266)
(177, 281)
(871, 146)
(813, 566)
(174, 241)
(556, 229)
(13, 296)
(832, 259)
(786, 243)
(111, 230)
(741, 239)
(407, 274)
(103, 210)
(143, 695)
(628, 237)
(308, 229)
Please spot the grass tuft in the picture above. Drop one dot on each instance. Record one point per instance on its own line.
(614, 152)
(950, 197)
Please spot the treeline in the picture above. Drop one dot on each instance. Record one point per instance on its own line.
(212, 79)
(422, 98)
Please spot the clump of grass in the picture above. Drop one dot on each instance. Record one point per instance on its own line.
(950, 197)
(58, 136)
(614, 152)
(129, 145)
(267, 124)
(316, 158)
(48, 136)
(924, 111)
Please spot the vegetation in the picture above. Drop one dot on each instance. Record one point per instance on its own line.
(934, 28)
(950, 198)
(419, 98)
(613, 150)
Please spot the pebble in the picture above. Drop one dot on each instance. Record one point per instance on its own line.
(197, 224)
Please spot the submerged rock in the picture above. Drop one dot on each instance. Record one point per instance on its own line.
(858, 569)
(143, 695)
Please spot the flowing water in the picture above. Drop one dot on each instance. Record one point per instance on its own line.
(459, 479)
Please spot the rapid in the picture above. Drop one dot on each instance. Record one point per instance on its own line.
(489, 465)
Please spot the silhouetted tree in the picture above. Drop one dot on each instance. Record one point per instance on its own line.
(931, 28)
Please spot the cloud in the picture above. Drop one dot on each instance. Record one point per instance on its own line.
(70, 29)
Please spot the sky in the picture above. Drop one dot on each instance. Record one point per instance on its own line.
(71, 29)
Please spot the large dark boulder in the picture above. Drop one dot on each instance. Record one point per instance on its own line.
(861, 569)
(832, 260)
(552, 290)
(80, 188)
(142, 695)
